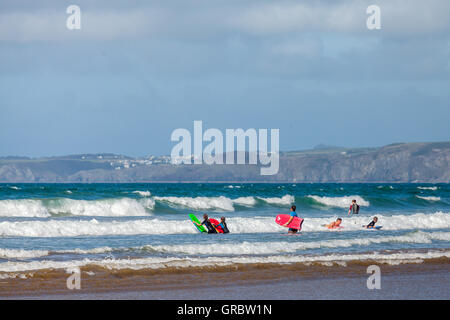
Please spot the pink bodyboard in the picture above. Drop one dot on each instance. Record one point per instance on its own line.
(296, 223)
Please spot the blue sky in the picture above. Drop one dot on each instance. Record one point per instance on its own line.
(137, 70)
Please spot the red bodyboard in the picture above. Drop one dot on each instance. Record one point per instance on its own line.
(215, 223)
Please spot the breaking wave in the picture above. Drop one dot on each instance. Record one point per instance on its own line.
(431, 198)
(341, 202)
(116, 207)
(242, 248)
(222, 203)
(189, 262)
(256, 248)
(143, 193)
(285, 200)
(64, 206)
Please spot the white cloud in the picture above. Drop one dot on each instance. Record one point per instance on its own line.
(216, 19)
(50, 25)
(288, 17)
(398, 17)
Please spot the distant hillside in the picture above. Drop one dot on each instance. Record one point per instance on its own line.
(407, 162)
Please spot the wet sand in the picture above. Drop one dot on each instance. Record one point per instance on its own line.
(428, 280)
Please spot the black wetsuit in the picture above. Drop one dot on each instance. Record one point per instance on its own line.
(209, 226)
(354, 208)
(371, 225)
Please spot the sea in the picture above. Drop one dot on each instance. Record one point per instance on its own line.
(146, 226)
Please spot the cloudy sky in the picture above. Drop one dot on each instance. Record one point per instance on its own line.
(137, 70)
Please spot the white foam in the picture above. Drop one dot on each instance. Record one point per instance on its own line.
(15, 275)
(72, 228)
(431, 198)
(244, 248)
(86, 251)
(27, 254)
(341, 202)
(395, 222)
(208, 203)
(245, 201)
(23, 208)
(22, 254)
(200, 203)
(428, 188)
(143, 193)
(142, 207)
(105, 207)
(170, 262)
(255, 248)
(285, 200)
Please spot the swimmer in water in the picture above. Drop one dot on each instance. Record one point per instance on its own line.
(335, 224)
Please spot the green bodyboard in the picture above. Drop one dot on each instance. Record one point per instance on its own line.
(194, 219)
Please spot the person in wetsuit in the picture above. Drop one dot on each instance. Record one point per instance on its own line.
(208, 224)
(223, 225)
(354, 208)
(293, 215)
(372, 224)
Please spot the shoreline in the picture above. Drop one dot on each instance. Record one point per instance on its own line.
(268, 281)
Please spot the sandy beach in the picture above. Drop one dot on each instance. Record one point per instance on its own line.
(428, 280)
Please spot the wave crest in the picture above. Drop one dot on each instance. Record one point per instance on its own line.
(341, 202)
(431, 198)
(64, 206)
(71, 228)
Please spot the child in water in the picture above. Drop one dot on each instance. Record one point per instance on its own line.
(334, 225)
(372, 224)
(223, 225)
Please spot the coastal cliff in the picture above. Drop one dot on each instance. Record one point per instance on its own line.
(396, 163)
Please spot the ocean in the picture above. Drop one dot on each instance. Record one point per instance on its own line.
(139, 227)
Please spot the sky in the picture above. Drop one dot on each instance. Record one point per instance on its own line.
(138, 70)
